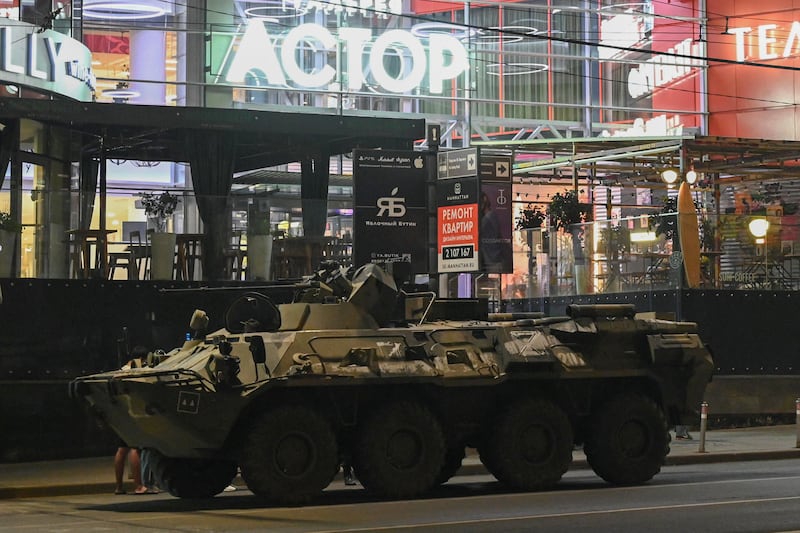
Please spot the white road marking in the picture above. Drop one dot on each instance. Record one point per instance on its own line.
(37, 505)
(560, 515)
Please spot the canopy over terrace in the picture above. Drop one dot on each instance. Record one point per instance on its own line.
(215, 142)
(639, 161)
(615, 170)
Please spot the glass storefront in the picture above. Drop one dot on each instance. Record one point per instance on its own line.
(542, 69)
(525, 68)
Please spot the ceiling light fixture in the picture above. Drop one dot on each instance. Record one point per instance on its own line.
(669, 175)
(124, 10)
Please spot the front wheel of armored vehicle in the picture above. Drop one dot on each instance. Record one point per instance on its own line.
(289, 455)
(399, 450)
(529, 447)
(628, 440)
(192, 478)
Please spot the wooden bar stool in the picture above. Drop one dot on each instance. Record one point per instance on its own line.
(233, 257)
(123, 259)
(92, 247)
(129, 259)
(190, 251)
(149, 248)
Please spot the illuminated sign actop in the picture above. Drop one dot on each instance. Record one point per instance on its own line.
(277, 59)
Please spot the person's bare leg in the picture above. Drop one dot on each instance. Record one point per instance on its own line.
(136, 467)
(119, 469)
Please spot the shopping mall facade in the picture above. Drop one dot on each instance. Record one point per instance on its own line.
(100, 101)
(501, 75)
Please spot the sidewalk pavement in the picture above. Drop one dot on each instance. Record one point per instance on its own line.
(96, 475)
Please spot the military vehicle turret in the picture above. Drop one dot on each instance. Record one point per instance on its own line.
(357, 370)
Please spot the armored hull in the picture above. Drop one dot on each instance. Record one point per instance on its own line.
(287, 394)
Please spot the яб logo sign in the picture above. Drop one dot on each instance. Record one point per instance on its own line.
(396, 207)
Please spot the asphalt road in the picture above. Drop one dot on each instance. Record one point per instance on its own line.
(724, 497)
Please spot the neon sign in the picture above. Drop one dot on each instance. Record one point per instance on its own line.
(365, 8)
(660, 125)
(274, 59)
(625, 29)
(661, 70)
(45, 60)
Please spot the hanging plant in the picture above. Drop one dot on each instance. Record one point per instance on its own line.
(665, 222)
(708, 232)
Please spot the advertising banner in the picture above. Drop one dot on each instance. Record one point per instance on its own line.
(9, 9)
(457, 220)
(45, 60)
(495, 228)
(390, 220)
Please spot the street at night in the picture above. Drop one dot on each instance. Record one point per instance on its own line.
(742, 496)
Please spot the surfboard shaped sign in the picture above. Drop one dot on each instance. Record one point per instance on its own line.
(689, 235)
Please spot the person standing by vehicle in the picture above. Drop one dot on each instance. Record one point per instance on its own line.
(124, 452)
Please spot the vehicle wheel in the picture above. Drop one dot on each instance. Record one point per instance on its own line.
(289, 455)
(192, 478)
(399, 450)
(530, 445)
(628, 440)
(453, 458)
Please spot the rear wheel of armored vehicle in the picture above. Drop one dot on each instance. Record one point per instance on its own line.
(289, 455)
(628, 440)
(192, 478)
(399, 450)
(529, 447)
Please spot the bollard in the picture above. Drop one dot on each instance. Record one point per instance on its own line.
(797, 421)
(703, 426)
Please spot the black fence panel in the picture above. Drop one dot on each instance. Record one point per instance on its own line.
(749, 332)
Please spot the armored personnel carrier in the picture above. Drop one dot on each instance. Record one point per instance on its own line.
(357, 371)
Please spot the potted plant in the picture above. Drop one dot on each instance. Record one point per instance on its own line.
(159, 207)
(567, 213)
(531, 218)
(9, 229)
(615, 242)
(259, 243)
(566, 210)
